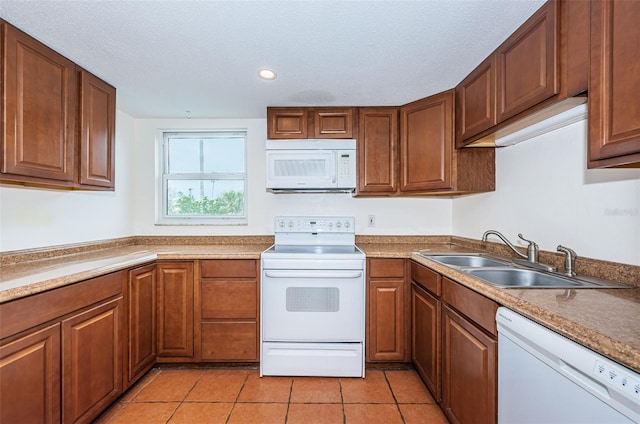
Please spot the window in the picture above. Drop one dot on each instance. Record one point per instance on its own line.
(204, 178)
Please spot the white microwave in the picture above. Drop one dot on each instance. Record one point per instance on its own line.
(311, 165)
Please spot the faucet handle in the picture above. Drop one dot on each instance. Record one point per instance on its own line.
(532, 249)
(528, 241)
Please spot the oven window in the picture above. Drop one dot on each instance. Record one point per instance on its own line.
(313, 299)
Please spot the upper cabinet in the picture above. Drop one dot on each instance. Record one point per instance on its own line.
(96, 142)
(39, 102)
(415, 153)
(429, 161)
(58, 124)
(614, 84)
(377, 150)
(531, 76)
(306, 122)
(476, 109)
(286, 122)
(526, 64)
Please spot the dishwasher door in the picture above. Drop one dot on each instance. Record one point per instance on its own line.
(546, 378)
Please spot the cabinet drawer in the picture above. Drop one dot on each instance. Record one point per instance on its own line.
(426, 278)
(229, 299)
(381, 268)
(475, 306)
(229, 268)
(230, 341)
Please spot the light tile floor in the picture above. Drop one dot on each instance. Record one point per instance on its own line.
(233, 396)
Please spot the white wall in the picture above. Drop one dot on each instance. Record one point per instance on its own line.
(545, 192)
(393, 216)
(35, 217)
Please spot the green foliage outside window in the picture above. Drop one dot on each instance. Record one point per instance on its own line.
(228, 203)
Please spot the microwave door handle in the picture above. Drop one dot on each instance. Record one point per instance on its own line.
(335, 164)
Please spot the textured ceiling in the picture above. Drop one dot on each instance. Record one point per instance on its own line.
(169, 57)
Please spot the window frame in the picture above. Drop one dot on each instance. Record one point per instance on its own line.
(162, 216)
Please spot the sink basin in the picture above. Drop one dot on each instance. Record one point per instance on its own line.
(516, 277)
(472, 261)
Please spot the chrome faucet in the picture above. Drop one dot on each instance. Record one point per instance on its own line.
(532, 248)
(569, 260)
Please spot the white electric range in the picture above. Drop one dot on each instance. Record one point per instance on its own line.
(313, 299)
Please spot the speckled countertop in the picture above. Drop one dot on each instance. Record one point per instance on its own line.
(27, 278)
(605, 320)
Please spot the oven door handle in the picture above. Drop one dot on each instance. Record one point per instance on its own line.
(313, 274)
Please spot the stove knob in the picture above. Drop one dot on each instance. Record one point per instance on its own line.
(338, 224)
(281, 224)
(290, 224)
(347, 225)
(331, 225)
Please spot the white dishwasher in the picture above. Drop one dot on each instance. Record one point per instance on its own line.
(545, 378)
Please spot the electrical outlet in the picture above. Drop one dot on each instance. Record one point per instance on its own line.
(371, 221)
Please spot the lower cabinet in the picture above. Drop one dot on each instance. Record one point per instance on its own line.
(61, 352)
(175, 311)
(91, 362)
(387, 334)
(140, 329)
(229, 294)
(30, 378)
(455, 349)
(469, 355)
(425, 338)
(426, 287)
(469, 371)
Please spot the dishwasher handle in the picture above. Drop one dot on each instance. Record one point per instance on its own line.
(313, 274)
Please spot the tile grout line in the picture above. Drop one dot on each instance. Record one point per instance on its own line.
(123, 403)
(344, 415)
(235, 401)
(185, 396)
(386, 378)
(286, 414)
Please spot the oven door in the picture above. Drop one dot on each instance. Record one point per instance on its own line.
(313, 305)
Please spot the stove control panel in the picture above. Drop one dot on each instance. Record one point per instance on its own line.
(320, 224)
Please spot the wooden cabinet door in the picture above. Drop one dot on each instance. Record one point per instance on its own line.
(333, 122)
(527, 68)
(469, 371)
(476, 101)
(286, 122)
(425, 338)
(426, 143)
(30, 378)
(386, 311)
(91, 362)
(378, 150)
(614, 85)
(175, 310)
(140, 350)
(39, 102)
(96, 144)
(386, 315)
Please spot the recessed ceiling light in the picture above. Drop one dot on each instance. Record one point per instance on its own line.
(267, 74)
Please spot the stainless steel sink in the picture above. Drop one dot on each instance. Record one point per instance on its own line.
(523, 278)
(472, 261)
(504, 273)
